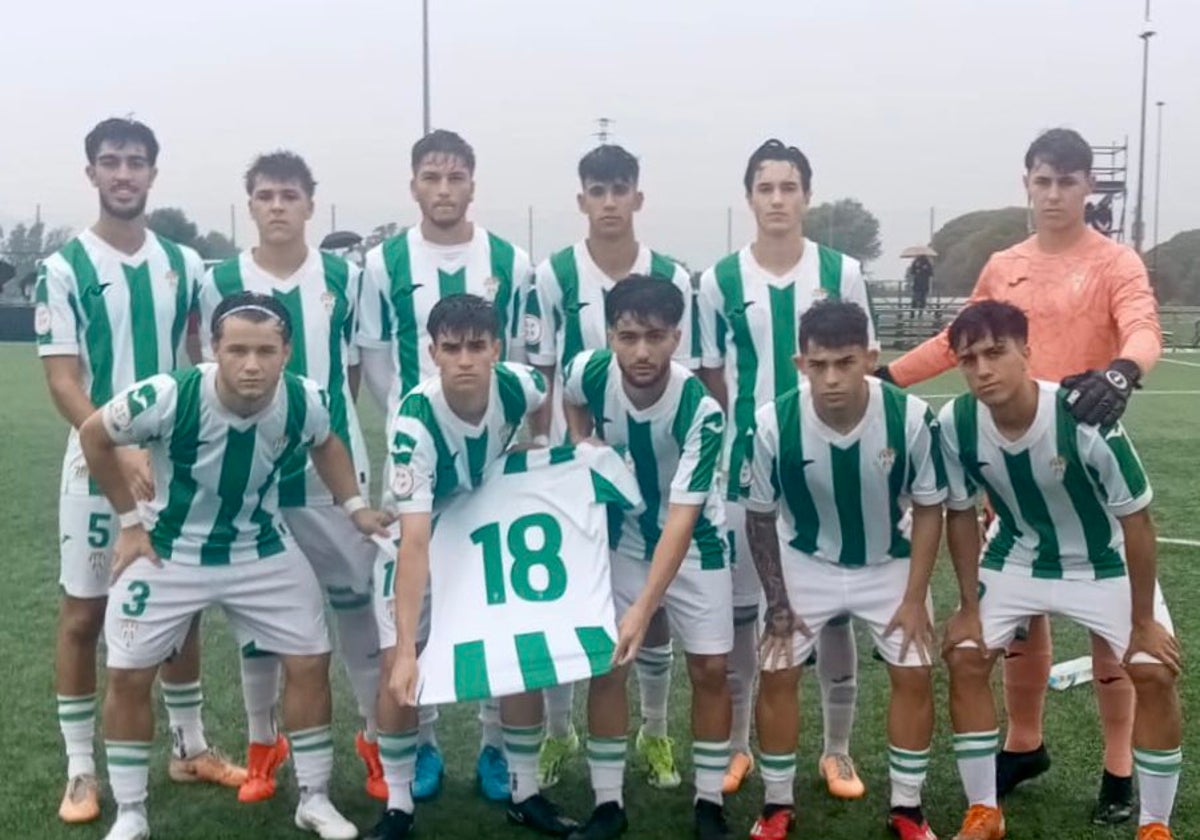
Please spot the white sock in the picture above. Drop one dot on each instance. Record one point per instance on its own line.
(779, 778)
(260, 693)
(427, 718)
(741, 669)
(837, 670)
(312, 756)
(184, 702)
(606, 766)
(906, 770)
(1158, 780)
(653, 666)
(491, 733)
(521, 751)
(560, 702)
(398, 754)
(77, 722)
(975, 753)
(710, 759)
(358, 639)
(128, 770)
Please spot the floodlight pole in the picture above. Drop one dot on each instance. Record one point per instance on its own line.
(1157, 172)
(425, 64)
(1139, 230)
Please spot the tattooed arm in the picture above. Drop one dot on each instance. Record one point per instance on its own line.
(780, 622)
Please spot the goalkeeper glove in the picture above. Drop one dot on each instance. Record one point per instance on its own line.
(883, 373)
(1099, 397)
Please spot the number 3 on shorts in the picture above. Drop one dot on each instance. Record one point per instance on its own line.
(139, 591)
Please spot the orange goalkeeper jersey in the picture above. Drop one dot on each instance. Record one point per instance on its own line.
(1086, 306)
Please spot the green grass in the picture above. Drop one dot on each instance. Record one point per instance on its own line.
(1164, 427)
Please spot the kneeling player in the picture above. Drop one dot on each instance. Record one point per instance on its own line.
(217, 437)
(633, 396)
(845, 453)
(1073, 537)
(445, 433)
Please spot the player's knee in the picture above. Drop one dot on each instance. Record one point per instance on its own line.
(610, 683)
(913, 684)
(776, 685)
(130, 685)
(968, 665)
(306, 672)
(707, 673)
(82, 619)
(1152, 681)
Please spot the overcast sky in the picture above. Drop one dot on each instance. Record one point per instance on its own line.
(904, 105)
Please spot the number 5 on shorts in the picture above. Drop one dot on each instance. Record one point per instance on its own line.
(139, 591)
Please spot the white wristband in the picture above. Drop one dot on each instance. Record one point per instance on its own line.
(353, 505)
(541, 440)
(129, 519)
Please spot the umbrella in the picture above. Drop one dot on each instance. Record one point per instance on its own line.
(7, 271)
(340, 239)
(917, 251)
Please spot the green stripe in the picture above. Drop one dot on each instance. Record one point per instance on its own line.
(418, 407)
(1127, 460)
(236, 462)
(895, 409)
(784, 337)
(293, 491)
(127, 761)
(503, 264)
(594, 381)
(831, 272)
(470, 672)
(267, 540)
(185, 438)
(477, 449)
(397, 262)
(605, 492)
(97, 334)
(41, 295)
(598, 647)
(533, 309)
(790, 474)
(645, 464)
(966, 429)
(707, 538)
(452, 283)
(981, 752)
(1097, 528)
(728, 274)
(183, 294)
(337, 281)
(325, 744)
(67, 717)
(512, 394)
(567, 275)
(516, 462)
(397, 754)
(350, 602)
(710, 752)
(537, 665)
(777, 762)
(847, 497)
(227, 276)
(661, 266)
(1048, 561)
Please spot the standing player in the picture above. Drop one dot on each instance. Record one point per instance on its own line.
(403, 279)
(1073, 536)
(1090, 309)
(219, 436)
(748, 304)
(633, 396)
(846, 454)
(320, 293)
(445, 433)
(564, 316)
(111, 308)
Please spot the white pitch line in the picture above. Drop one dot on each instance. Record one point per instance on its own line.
(1179, 362)
(1147, 393)
(1177, 541)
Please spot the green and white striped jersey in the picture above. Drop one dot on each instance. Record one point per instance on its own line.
(322, 299)
(124, 316)
(406, 275)
(844, 495)
(520, 586)
(216, 474)
(1058, 490)
(436, 454)
(565, 313)
(673, 447)
(749, 320)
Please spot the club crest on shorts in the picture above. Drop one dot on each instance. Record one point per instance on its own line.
(327, 301)
(129, 629)
(403, 481)
(886, 457)
(1059, 465)
(41, 319)
(98, 561)
(491, 285)
(533, 329)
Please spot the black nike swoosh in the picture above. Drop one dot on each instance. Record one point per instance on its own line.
(840, 680)
(804, 462)
(98, 289)
(1109, 680)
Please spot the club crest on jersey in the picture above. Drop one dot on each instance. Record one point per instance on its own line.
(327, 300)
(278, 445)
(533, 330)
(403, 481)
(491, 285)
(886, 457)
(172, 279)
(1059, 465)
(42, 319)
(820, 293)
(744, 474)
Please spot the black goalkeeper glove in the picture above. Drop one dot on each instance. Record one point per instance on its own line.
(1099, 397)
(883, 373)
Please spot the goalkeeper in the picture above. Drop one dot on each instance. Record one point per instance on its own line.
(1093, 324)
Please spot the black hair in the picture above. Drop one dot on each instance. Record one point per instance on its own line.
(252, 307)
(1064, 149)
(282, 166)
(463, 315)
(775, 150)
(993, 318)
(834, 323)
(644, 297)
(120, 131)
(442, 142)
(608, 164)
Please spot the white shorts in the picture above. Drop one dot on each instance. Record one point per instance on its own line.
(87, 530)
(747, 592)
(820, 592)
(1104, 607)
(385, 603)
(341, 556)
(699, 602)
(274, 605)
